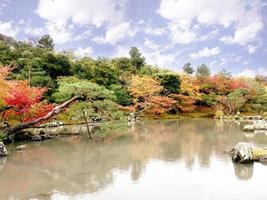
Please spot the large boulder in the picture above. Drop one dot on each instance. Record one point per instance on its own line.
(242, 153)
(3, 151)
(245, 153)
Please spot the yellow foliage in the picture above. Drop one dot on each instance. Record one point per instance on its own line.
(144, 86)
(189, 87)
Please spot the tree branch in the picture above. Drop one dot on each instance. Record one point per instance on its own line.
(55, 111)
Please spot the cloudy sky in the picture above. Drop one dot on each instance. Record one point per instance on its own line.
(229, 34)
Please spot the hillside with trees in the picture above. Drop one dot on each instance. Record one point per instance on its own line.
(35, 78)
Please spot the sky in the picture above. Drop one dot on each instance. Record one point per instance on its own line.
(228, 34)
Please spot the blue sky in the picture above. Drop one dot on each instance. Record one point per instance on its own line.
(229, 34)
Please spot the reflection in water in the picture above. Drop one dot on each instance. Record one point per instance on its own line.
(186, 154)
(243, 171)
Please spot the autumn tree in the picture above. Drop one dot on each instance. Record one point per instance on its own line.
(146, 93)
(22, 98)
(233, 102)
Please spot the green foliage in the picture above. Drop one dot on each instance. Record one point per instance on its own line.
(137, 60)
(170, 82)
(122, 94)
(56, 65)
(107, 110)
(46, 42)
(3, 136)
(202, 71)
(209, 99)
(70, 86)
(84, 68)
(188, 68)
(104, 74)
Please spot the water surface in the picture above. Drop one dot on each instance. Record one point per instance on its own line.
(168, 159)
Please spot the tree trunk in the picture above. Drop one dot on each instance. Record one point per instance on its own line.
(89, 131)
(55, 111)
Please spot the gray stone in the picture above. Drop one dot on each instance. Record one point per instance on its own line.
(36, 138)
(242, 153)
(21, 147)
(3, 151)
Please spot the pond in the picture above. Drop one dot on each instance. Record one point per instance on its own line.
(157, 159)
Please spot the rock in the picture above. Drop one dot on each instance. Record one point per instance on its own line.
(21, 147)
(248, 128)
(257, 125)
(245, 153)
(52, 124)
(242, 153)
(47, 137)
(36, 138)
(3, 151)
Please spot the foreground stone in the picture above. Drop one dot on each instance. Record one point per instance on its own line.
(3, 151)
(245, 153)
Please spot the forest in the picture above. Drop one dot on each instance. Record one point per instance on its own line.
(35, 78)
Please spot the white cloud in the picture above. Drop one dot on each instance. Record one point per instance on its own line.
(210, 12)
(141, 21)
(187, 16)
(59, 32)
(244, 35)
(251, 49)
(150, 44)
(83, 35)
(210, 35)
(81, 52)
(121, 51)
(84, 12)
(249, 72)
(156, 31)
(34, 31)
(7, 28)
(116, 34)
(182, 34)
(206, 52)
(160, 59)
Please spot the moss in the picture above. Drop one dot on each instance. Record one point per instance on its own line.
(259, 153)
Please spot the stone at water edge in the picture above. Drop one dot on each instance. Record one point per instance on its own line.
(242, 153)
(3, 151)
(245, 153)
(21, 147)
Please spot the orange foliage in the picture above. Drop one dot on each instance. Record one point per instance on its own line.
(25, 100)
(184, 103)
(159, 104)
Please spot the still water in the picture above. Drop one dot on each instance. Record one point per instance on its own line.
(167, 159)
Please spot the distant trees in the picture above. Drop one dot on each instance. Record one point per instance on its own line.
(188, 68)
(202, 71)
(137, 60)
(46, 42)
